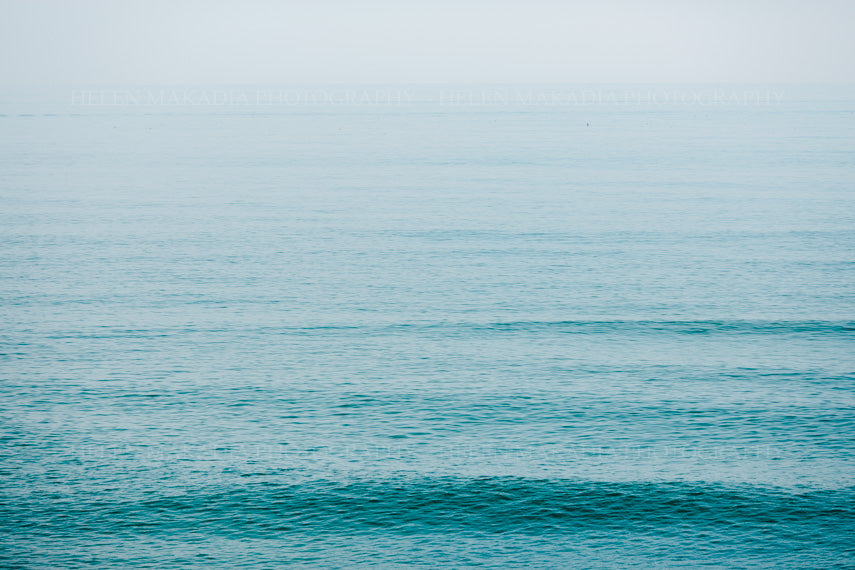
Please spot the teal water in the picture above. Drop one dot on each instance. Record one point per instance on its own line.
(428, 335)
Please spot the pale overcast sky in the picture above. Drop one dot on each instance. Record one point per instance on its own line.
(83, 42)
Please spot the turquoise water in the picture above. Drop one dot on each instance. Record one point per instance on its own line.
(428, 334)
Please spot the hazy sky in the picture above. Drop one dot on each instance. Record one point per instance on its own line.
(83, 42)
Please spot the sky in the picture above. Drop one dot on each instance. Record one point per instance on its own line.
(124, 43)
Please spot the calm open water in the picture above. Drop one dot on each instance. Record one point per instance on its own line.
(458, 332)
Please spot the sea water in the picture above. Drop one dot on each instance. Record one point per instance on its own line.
(461, 328)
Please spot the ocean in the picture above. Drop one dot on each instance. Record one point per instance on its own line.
(433, 327)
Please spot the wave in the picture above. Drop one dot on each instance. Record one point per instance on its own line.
(682, 327)
(458, 505)
(587, 327)
(679, 326)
